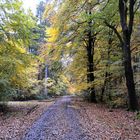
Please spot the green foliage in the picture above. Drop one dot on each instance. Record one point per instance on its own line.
(16, 35)
(6, 90)
(56, 88)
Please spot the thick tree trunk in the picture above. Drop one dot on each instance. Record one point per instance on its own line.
(127, 28)
(90, 74)
(132, 99)
(90, 58)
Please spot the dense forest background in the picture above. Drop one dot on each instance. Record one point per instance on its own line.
(89, 48)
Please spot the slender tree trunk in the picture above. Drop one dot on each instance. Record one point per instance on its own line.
(104, 86)
(107, 65)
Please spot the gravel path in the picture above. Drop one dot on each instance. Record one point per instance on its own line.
(70, 119)
(59, 122)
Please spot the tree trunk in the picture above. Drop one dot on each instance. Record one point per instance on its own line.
(104, 86)
(90, 74)
(90, 57)
(132, 99)
(127, 28)
(107, 65)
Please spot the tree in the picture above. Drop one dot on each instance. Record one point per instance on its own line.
(127, 29)
(80, 28)
(127, 12)
(90, 53)
(16, 35)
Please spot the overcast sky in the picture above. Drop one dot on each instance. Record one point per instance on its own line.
(32, 4)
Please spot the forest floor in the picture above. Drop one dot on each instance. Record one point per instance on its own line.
(19, 117)
(70, 118)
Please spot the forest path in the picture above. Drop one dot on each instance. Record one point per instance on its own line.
(71, 118)
(59, 122)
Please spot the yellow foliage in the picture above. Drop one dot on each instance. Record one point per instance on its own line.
(21, 49)
(52, 34)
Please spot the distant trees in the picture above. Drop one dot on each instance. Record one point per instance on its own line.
(40, 11)
(76, 28)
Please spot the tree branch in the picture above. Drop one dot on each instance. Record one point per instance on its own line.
(115, 31)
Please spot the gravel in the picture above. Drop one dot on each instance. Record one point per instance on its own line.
(59, 122)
